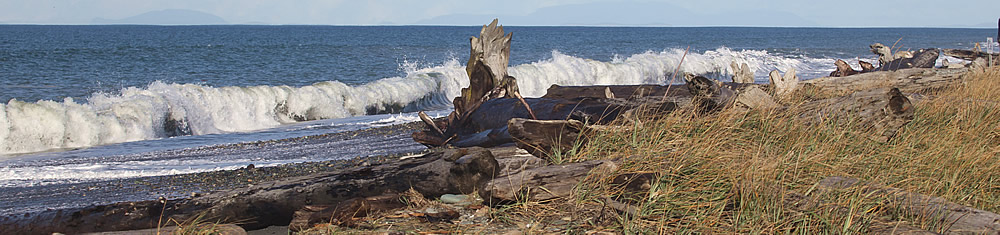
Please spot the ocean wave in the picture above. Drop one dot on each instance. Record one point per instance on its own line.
(161, 110)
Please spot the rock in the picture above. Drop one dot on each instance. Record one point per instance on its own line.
(460, 200)
(782, 86)
(543, 183)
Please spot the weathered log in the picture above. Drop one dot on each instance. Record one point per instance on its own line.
(220, 229)
(754, 97)
(958, 219)
(907, 80)
(707, 94)
(883, 111)
(782, 86)
(923, 58)
(345, 213)
(843, 69)
(451, 171)
(618, 91)
(969, 55)
(543, 183)
(543, 138)
(741, 73)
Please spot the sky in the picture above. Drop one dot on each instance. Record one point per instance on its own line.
(821, 13)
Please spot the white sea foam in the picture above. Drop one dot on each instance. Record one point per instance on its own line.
(142, 113)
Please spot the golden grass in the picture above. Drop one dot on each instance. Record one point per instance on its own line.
(730, 172)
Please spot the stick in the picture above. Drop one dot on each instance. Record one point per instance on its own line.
(430, 122)
(532, 113)
(676, 70)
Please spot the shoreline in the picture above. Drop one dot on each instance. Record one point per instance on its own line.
(26, 202)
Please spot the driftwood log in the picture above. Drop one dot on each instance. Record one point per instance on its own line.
(543, 183)
(923, 58)
(453, 171)
(957, 219)
(907, 80)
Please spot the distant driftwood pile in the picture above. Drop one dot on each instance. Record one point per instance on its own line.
(491, 112)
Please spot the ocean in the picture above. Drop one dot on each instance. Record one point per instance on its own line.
(98, 103)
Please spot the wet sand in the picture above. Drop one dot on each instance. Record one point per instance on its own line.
(367, 146)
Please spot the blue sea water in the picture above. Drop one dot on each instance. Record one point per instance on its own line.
(77, 101)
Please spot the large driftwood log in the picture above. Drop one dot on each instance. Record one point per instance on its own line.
(969, 55)
(957, 219)
(543, 138)
(453, 171)
(543, 183)
(884, 111)
(907, 80)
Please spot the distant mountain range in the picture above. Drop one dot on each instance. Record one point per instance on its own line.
(639, 14)
(167, 17)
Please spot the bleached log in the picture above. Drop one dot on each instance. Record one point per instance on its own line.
(956, 218)
(907, 80)
(782, 86)
(741, 73)
(883, 111)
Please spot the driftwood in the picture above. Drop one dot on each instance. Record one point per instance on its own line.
(220, 229)
(843, 69)
(543, 183)
(884, 111)
(345, 213)
(969, 55)
(453, 171)
(923, 58)
(545, 137)
(741, 73)
(907, 80)
(782, 86)
(957, 219)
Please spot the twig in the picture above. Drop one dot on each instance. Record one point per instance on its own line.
(676, 70)
(532, 113)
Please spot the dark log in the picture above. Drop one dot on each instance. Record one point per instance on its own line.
(843, 69)
(956, 218)
(969, 55)
(543, 183)
(451, 171)
(924, 58)
(882, 111)
(907, 80)
(543, 138)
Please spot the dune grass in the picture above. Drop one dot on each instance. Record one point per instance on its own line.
(731, 172)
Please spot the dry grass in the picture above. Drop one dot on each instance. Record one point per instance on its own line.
(730, 172)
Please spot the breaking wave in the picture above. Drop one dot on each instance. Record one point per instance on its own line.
(161, 110)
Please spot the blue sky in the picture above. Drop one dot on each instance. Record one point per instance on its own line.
(824, 13)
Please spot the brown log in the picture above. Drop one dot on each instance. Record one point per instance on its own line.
(907, 80)
(543, 183)
(843, 69)
(958, 219)
(543, 138)
(618, 91)
(923, 58)
(451, 171)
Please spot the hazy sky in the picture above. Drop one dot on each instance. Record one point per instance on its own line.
(845, 13)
